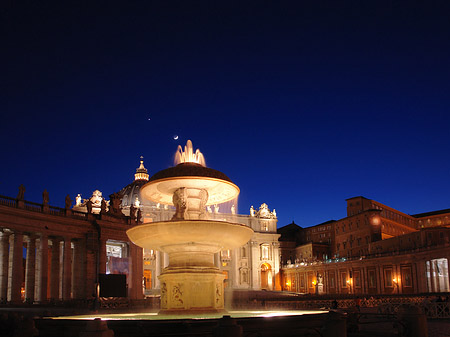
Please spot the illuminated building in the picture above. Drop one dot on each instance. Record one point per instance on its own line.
(374, 250)
(49, 253)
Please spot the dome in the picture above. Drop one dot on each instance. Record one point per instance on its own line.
(132, 192)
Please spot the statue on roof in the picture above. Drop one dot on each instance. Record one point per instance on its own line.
(265, 213)
(68, 201)
(103, 206)
(114, 203)
(89, 206)
(132, 212)
(96, 198)
(45, 199)
(21, 193)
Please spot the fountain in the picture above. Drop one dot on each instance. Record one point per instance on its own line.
(191, 282)
(191, 285)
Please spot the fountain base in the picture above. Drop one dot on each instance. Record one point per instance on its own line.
(191, 289)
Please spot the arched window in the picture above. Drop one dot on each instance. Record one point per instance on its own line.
(265, 251)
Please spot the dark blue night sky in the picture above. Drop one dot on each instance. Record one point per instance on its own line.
(302, 104)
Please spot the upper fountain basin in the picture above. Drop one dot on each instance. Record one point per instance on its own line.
(163, 184)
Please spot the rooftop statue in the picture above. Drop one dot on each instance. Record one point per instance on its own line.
(45, 199)
(78, 200)
(68, 201)
(21, 193)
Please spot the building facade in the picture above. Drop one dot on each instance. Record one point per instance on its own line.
(49, 253)
(374, 250)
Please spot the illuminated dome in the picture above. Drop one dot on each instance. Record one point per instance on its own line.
(132, 192)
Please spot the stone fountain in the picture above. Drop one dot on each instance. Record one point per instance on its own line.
(191, 282)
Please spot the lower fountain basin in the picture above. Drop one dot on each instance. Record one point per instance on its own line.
(206, 236)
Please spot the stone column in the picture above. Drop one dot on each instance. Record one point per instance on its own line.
(4, 266)
(17, 268)
(55, 270)
(102, 256)
(276, 267)
(421, 277)
(42, 269)
(157, 269)
(79, 270)
(30, 269)
(234, 269)
(137, 268)
(67, 270)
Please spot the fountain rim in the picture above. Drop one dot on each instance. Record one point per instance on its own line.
(161, 229)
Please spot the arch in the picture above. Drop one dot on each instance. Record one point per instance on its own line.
(266, 276)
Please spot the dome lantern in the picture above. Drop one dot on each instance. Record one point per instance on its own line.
(141, 172)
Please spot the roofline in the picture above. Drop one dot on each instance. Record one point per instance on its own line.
(422, 215)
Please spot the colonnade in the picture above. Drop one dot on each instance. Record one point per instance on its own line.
(53, 268)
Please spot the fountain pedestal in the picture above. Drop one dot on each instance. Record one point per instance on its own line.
(193, 290)
(191, 281)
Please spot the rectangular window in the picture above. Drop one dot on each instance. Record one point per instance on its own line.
(343, 280)
(371, 278)
(406, 277)
(332, 279)
(388, 278)
(357, 279)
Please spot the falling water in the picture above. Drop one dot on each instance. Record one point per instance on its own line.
(188, 156)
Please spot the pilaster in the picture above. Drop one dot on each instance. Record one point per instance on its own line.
(102, 256)
(254, 250)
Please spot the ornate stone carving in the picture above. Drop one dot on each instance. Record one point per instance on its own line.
(177, 294)
(218, 293)
(96, 198)
(179, 200)
(114, 203)
(163, 296)
(265, 213)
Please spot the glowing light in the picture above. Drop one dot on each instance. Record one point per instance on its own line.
(188, 156)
